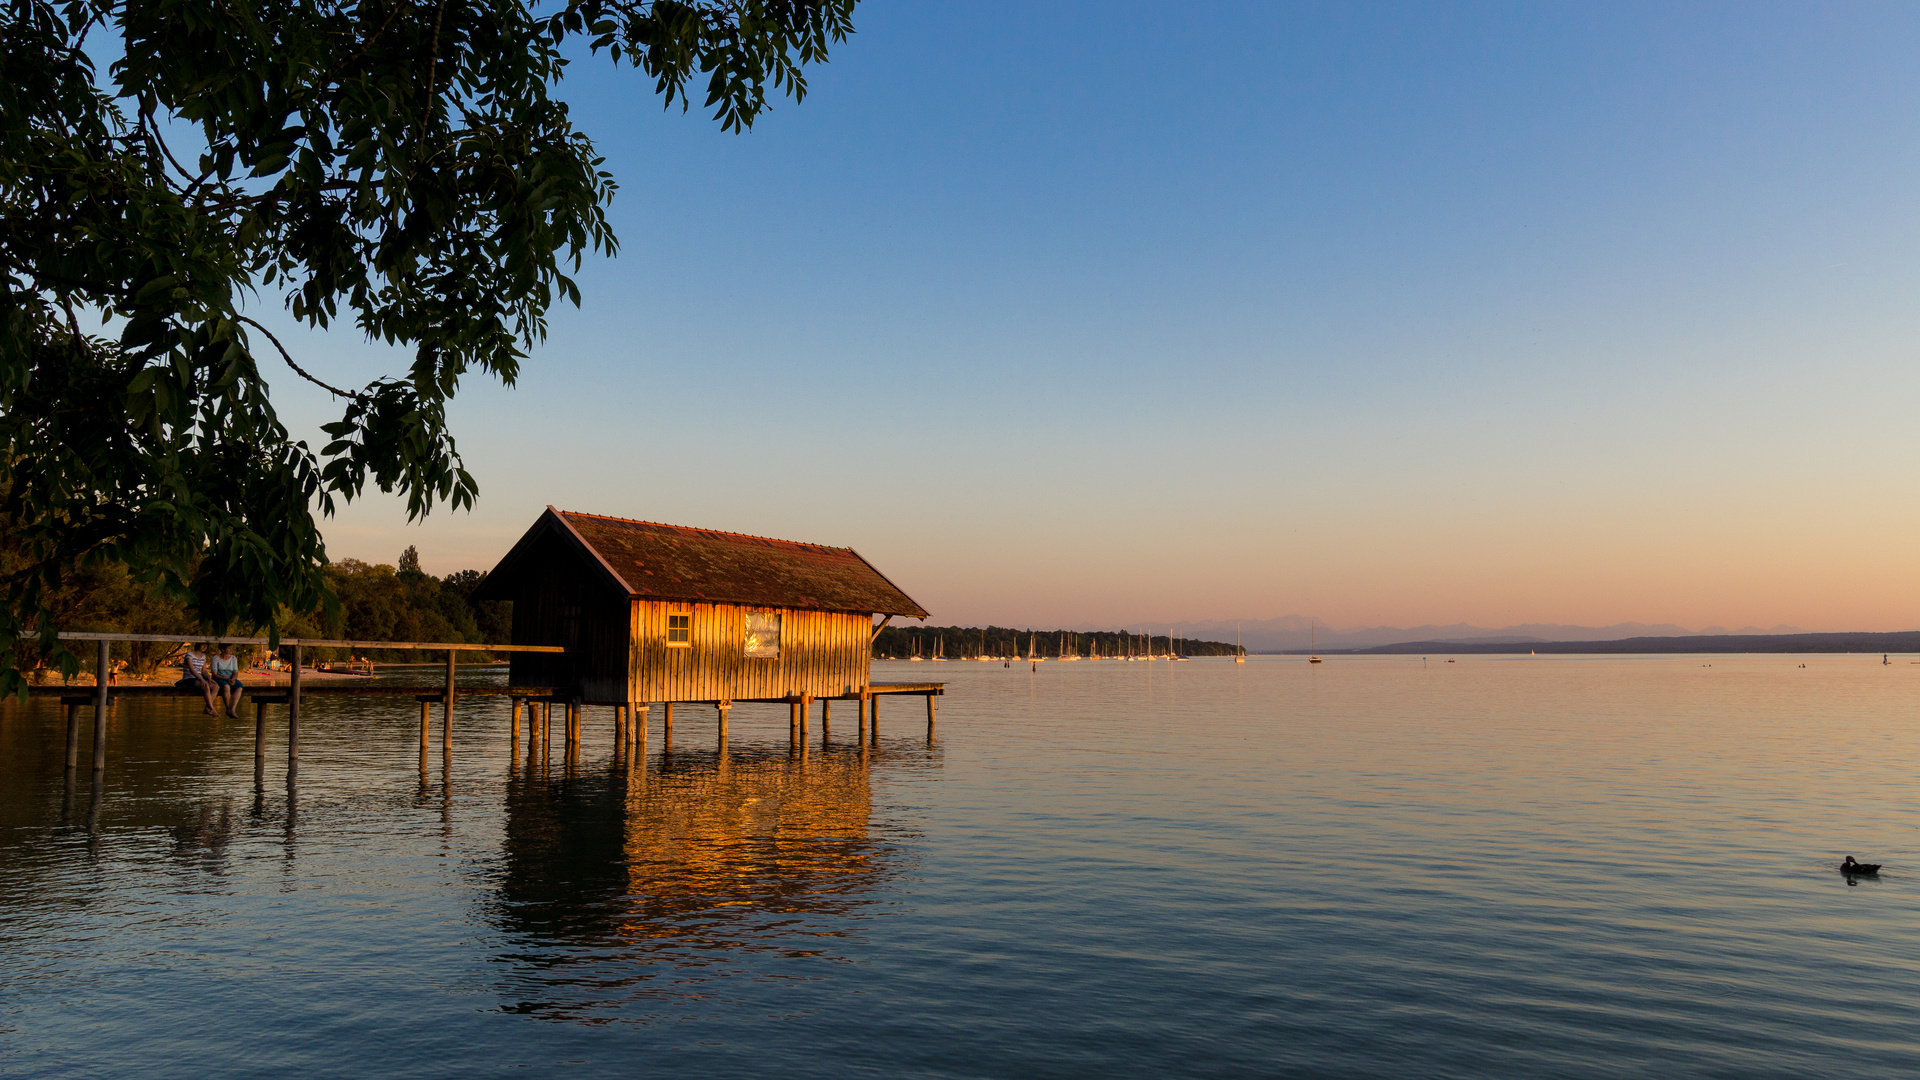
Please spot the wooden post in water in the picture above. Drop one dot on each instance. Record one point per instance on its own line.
(446, 717)
(293, 714)
(929, 717)
(860, 719)
(516, 723)
(723, 707)
(100, 701)
(640, 710)
(873, 719)
(793, 723)
(806, 706)
(73, 736)
(426, 724)
(259, 737)
(666, 722)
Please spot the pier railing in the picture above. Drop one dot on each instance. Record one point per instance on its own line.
(104, 690)
(630, 719)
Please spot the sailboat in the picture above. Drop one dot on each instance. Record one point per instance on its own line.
(983, 657)
(1313, 642)
(916, 657)
(1239, 654)
(940, 650)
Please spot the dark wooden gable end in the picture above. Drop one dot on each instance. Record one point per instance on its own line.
(562, 595)
(597, 585)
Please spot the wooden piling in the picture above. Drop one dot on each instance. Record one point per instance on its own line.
(73, 736)
(640, 724)
(516, 722)
(446, 717)
(723, 707)
(259, 736)
(100, 699)
(806, 706)
(293, 713)
(426, 723)
(666, 720)
(929, 716)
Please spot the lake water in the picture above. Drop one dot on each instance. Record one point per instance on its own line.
(1505, 866)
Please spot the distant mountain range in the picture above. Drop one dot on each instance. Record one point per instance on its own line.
(1296, 632)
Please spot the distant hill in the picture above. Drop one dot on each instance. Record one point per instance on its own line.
(1292, 633)
(1904, 641)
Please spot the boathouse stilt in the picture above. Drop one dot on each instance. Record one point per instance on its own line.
(666, 722)
(73, 736)
(929, 716)
(723, 708)
(517, 703)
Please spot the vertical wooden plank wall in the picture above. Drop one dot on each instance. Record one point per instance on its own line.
(821, 653)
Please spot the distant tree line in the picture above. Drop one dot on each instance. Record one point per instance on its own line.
(378, 602)
(967, 642)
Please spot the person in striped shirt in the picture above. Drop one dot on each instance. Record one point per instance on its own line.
(195, 676)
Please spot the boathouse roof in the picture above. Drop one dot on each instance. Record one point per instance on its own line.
(652, 561)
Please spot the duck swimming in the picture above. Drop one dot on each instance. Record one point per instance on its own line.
(1851, 867)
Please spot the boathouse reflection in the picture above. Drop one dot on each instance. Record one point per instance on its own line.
(643, 882)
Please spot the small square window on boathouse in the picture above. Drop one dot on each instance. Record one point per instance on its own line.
(679, 631)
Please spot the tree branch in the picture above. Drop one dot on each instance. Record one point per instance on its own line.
(297, 369)
(433, 62)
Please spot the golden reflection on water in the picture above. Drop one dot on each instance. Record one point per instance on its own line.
(633, 881)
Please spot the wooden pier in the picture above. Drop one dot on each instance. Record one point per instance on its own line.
(535, 702)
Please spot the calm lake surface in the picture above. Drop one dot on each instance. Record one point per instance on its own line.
(1505, 866)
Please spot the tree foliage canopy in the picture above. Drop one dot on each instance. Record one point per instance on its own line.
(402, 165)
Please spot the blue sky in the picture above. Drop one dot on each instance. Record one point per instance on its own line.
(1090, 313)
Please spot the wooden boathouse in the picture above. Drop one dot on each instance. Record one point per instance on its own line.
(613, 612)
(663, 613)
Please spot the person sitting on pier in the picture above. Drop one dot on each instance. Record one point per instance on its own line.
(224, 670)
(195, 676)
